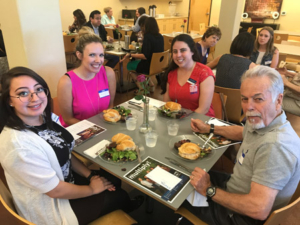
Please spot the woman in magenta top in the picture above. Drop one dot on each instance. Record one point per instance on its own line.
(188, 82)
(90, 88)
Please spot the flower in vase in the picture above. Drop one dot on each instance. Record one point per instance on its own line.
(184, 21)
(142, 79)
(117, 28)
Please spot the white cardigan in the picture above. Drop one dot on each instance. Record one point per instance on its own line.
(32, 169)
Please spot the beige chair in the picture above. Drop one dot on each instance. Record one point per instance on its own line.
(282, 57)
(218, 103)
(70, 42)
(202, 28)
(109, 32)
(167, 42)
(280, 37)
(293, 66)
(257, 31)
(159, 63)
(295, 43)
(233, 104)
(249, 29)
(9, 216)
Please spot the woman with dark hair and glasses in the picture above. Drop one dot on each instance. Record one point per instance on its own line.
(40, 170)
(187, 81)
(79, 20)
(153, 42)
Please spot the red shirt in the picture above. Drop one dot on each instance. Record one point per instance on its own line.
(188, 95)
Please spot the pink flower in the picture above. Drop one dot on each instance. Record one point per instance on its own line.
(184, 21)
(125, 15)
(141, 78)
(117, 25)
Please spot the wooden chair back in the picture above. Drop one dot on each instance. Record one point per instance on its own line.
(218, 103)
(159, 62)
(167, 42)
(116, 217)
(295, 43)
(70, 42)
(189, 216)
(8, 213)
(109, 32)
(280, 37)
(257, 31)
(233, 104)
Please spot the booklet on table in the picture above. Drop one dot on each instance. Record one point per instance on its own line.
(84, 130)
(159, 178)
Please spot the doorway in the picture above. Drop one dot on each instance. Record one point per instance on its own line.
(199, 13)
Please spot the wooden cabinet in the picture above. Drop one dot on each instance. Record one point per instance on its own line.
(169, 25)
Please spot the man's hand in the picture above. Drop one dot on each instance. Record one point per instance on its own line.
(100, 184)
(199, 126)
(282, 70)
(200, 180)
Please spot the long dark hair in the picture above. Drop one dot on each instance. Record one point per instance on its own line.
(151, 26)
(80, 17)
(8, 117)
(196, 57)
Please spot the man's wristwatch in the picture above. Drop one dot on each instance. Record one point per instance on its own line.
(93, 173)
(212, 128)
(210, 192)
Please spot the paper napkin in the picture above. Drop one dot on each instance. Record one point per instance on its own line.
(197, 199)
(96, 148)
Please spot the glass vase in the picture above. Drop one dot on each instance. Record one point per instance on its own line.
(119, 38)
(145, 127)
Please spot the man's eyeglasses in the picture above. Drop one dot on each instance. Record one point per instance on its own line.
(26, 96)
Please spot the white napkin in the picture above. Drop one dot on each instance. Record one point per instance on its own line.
(96, 148)
(153, 102)
(197, 199)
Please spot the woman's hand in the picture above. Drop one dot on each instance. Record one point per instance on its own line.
(100, 184)
(125, 57)
(284, 79)
(282, 70)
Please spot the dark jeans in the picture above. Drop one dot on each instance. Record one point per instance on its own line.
(90, 208)
(112, 60)
(216, 214)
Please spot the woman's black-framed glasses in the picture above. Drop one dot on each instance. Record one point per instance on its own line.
(26, 96)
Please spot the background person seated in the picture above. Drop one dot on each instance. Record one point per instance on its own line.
(79, 21)
(109, 21)
(140, 12)
(265, 53)
(187, 81)
(99, 29)
(209, 39)
(267, 170)
(78, 90)
(230, 67)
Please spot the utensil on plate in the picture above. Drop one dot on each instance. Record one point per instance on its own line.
(209, 137)
(173, 161)
(134, 103)
(136, 108)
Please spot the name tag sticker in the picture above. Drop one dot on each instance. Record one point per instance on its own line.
(191, 81)
(193, 89)
(103, 93)
(268, 62)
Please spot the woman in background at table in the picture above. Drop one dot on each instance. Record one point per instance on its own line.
(109, 21)
(90, 88)
(231, 67)
(153, 42)
(209, 39)
(265, 53)
(40, 170)
(79, 20)
(187, 81)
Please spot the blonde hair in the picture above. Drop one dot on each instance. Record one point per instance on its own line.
(86, 36)
(270, 45)
(107, 9)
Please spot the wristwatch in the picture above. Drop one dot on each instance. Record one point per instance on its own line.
(212, 128)
(210, 192)
(93, 173)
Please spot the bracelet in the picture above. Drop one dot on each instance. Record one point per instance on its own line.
(212, 128)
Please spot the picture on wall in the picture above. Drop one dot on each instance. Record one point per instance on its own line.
(263, 9)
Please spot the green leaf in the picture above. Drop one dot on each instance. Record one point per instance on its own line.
(132, 155)
(121, 154)
(138, 97)
(115, 156)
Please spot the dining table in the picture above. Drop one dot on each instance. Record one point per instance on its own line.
(162, 149)
(292, 51)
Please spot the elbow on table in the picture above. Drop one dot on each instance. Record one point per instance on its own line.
(260, 213)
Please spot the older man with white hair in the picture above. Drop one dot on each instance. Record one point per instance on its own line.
(267, 170)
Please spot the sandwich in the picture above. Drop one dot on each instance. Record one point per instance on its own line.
(131, 47)
(111, 115)
(189, 150)
(121, 149)
(172, 107)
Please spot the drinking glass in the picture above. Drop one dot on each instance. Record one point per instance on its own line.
(131, 122)
(152, 114)
(151, 138)
(173, 128)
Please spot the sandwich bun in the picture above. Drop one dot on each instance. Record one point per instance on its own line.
(131, 47)
(126, 145)
(111, 115)
(189, 150)
(172, 106)
(118, 138)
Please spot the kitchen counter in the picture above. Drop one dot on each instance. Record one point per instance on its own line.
(159, 18)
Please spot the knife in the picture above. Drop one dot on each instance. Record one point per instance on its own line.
(138, 154)
(134, 107)
(173, 161)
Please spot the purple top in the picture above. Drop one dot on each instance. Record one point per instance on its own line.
(90, 97)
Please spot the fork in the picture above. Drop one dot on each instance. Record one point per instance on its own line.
(209, 137)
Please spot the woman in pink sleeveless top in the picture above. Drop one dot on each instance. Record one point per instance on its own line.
(89, 89)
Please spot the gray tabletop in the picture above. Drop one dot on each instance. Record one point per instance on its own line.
(159, 152)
